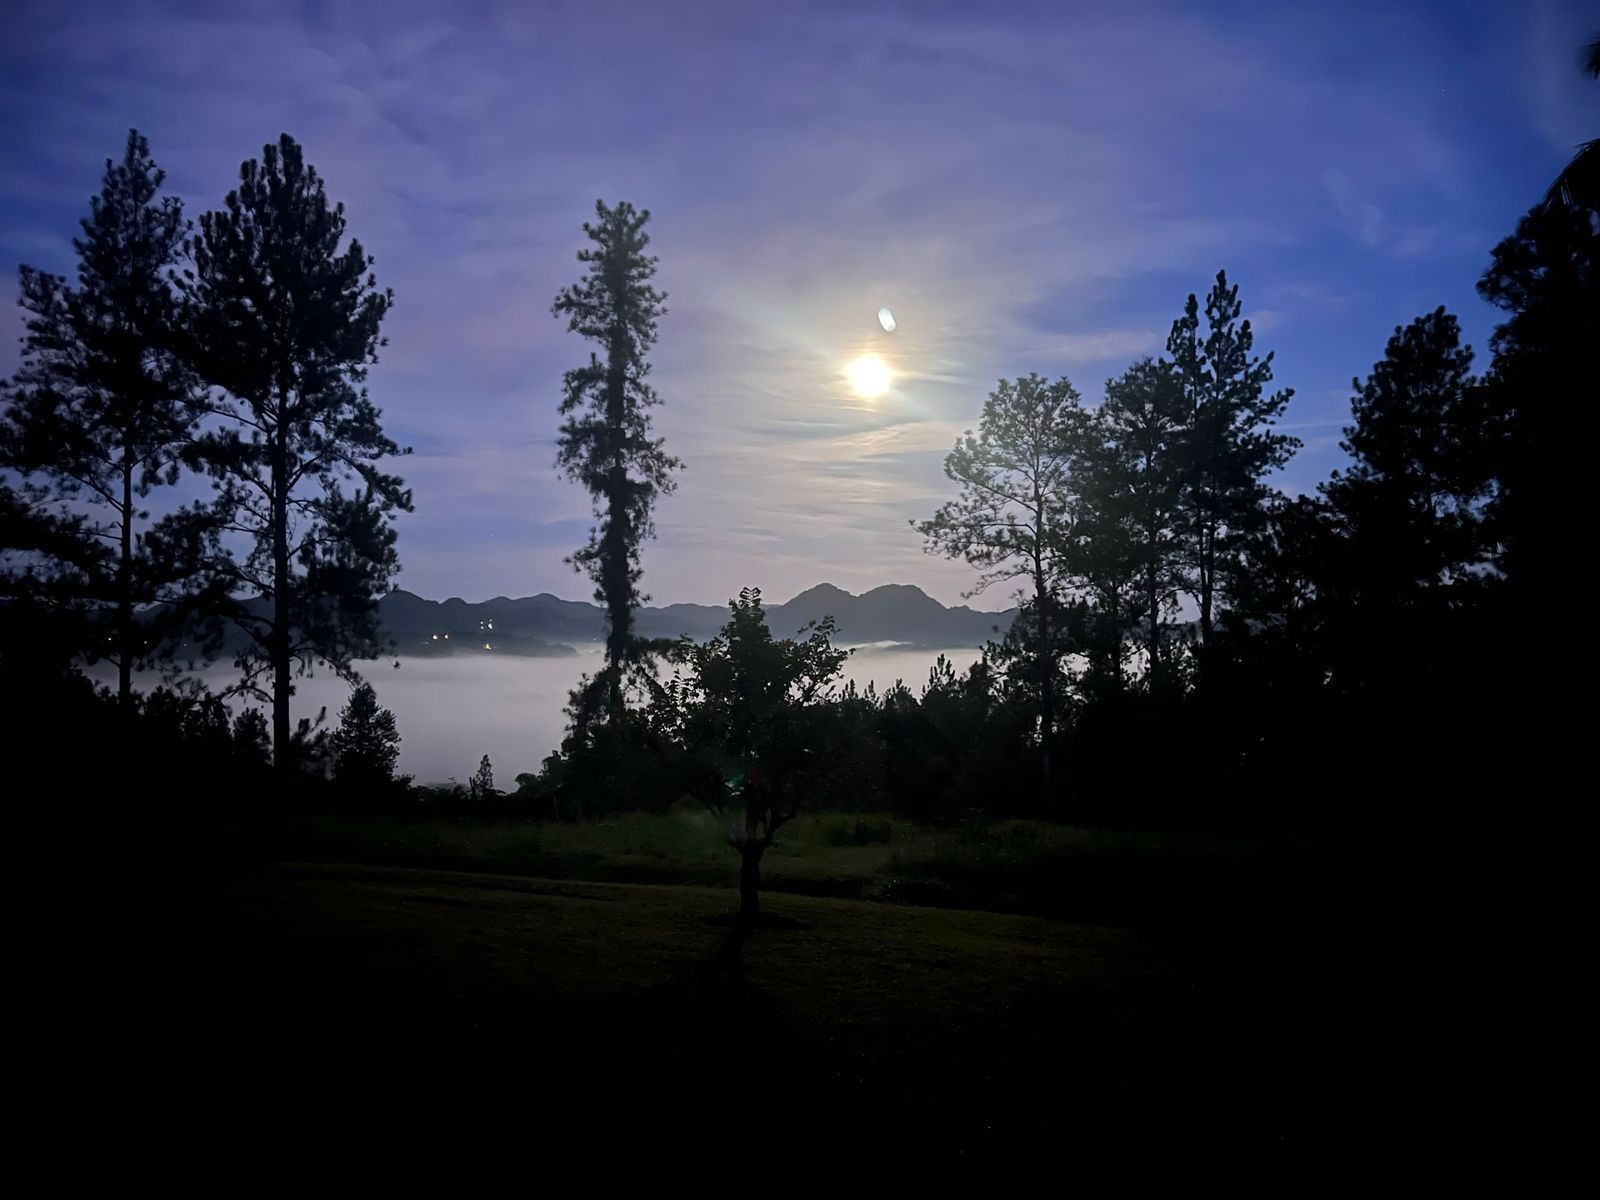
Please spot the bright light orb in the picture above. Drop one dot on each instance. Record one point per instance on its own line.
(886, 319)
(870, 376)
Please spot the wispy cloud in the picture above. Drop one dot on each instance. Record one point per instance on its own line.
(1028, 187)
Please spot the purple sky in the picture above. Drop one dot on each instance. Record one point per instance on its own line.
(1028, 187)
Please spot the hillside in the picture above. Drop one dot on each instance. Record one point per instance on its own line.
(547, 624)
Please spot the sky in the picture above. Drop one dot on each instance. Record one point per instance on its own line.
(1029, 187)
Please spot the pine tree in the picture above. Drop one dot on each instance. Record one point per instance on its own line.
(1546, 279)
(102, 410)
(1015, 518)
(1412, 494)
(366, 745)
(605, 442)
(481, 786)
(1230, 447)
(1135, 468)
(286, 322)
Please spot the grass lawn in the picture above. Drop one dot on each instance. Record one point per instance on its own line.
(1112, 877)
(258, 1004)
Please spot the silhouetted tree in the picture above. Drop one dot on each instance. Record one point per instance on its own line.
(102, 410)
(366, 745)
(754, 704)
(1230, 447)
(1135, 465)
(480, 788)
(1412, 494)
(1545, 278)
(605, 442)
(47, 556)
(1014, 518)
(286, 323)
(252, 740)
(1578, 185)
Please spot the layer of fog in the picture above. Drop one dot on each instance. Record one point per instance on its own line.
(452, 711)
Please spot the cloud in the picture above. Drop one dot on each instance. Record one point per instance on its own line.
(1121, 344)
(1028, 188)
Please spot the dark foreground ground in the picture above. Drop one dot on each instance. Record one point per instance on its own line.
(238, 1018)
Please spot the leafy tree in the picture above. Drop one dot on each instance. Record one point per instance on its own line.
(286, 323)
(102, 410)
(1230, 447)
(480, 788)
(605, 442)
(1135, 465)
(366, 745)
(754, 705)
(1015, 516)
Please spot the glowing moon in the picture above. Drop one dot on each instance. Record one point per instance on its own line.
(869, 376)
(886, 319)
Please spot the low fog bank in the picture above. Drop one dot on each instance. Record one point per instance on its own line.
(453, 710)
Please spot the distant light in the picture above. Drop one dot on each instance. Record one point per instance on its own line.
(870, 376)
(487, 646)
(436, 637)
(886, 319)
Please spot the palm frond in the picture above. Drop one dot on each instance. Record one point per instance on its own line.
(1578, 185)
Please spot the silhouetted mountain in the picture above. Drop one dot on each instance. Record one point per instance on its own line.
(893, 613)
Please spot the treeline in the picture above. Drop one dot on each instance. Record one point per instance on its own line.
(1193, 645)
(233, 350)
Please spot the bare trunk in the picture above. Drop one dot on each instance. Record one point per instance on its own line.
(125, 630)
(1047, 688)
(278, 647)
(1153, 603)
(750, 882)
(1208, 567)
(614, 547)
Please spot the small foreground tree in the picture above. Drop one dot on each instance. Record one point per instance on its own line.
(366, 745)
(752, 703)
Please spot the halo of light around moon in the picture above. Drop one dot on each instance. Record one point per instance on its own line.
(886, 319)
(869, 376)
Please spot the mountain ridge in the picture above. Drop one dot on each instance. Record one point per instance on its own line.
(546, 624)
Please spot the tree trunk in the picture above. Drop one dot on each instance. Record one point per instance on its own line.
(614, 567)
(278, 647)
(125, 631)
(750, 882)
(617, 585)
(1153, 600)
(1208, 566)
(1047, 683)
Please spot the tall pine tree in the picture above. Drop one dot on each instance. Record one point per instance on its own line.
(605, 442)
(284, 315)
(1412, 494)
(102, 410)
(1135, 467)
(1015, 517)
(1230, 447)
